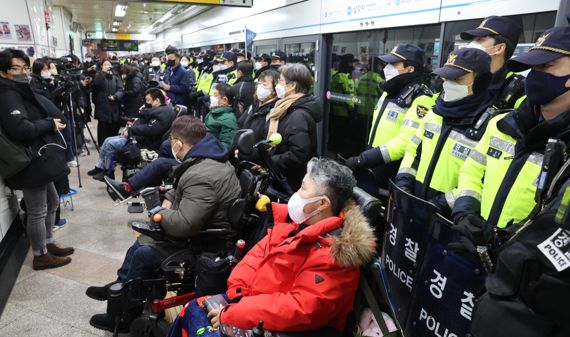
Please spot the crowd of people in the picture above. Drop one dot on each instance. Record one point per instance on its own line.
(472, 147)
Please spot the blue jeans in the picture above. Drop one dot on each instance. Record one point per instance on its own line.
(140, 261)
(152, 174)
(108, 149)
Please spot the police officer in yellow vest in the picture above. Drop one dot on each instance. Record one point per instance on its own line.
(227, 72)
(451, 129)
(498, 36)
(398, 112)
(498, 182)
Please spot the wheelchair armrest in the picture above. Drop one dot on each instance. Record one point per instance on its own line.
(324, 332)
(149, 229)
(211, 233)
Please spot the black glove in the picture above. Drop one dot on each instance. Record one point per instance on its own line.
(355, 162)
(473, 231)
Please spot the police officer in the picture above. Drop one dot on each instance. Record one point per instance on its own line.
(497, 184)
(342, 85)
(278, 59)
(262, 63)
(227, 72)
(498, 36)
(398, 112)
(450, 130)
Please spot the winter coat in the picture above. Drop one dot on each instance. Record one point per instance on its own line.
(243, 90)
(45, 88)
(151, 125)
(299, 131)
(27, 123)
(301, 281)
(179, 82)
(103, 86)
(222, 123)
(205, 187)
(254, 119)
(133, 95)
(153, 74)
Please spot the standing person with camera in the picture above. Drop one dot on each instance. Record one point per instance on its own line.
(107, 91)
(27, 124)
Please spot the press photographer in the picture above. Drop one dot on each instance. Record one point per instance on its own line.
(38, 160)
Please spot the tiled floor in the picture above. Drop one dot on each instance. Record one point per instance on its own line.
(52, 303)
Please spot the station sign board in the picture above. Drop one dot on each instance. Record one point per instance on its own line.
(230, 3)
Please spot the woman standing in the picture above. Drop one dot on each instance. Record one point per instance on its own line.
(107, 91)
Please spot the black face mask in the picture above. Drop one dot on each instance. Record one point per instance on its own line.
(541, 87)
(171, 63)
(148, 106)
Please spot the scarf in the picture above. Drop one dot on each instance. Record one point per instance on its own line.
(398, 83)
(464, 111)
(279, 111)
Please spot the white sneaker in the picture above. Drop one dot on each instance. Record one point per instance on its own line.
(72, 163)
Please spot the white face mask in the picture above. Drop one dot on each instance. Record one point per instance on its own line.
(46, 75)
(262, 93)
(216, 67)
(224, 67)
(295, 207)
(53, 71)
(88, 59)
(184, 63)
(390, 72)
(199, 61)
(155, 63)
(213, 102)
(241, 59)
(280, 90)
(453, 91)
(175, 153)
(258, 65)
(477, 45)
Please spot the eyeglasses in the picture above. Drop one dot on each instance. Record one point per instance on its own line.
(20, 68)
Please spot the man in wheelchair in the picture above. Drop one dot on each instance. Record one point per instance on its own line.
(303, 274)
(155, 119)
(204, 189)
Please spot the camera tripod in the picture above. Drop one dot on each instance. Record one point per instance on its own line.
(69, 109)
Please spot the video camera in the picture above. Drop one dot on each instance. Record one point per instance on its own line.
(69, 74)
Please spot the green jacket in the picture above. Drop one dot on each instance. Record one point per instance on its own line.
(222, 123)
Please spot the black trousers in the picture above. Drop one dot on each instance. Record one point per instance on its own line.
(106, 130)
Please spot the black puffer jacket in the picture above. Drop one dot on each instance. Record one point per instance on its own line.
(299, 131)
(243, 91)
(151, 126)
(105, 85)
(46, 88)
(254, 118)
(26, 122)
(134, 89)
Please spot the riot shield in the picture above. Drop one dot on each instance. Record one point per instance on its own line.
(432, 290)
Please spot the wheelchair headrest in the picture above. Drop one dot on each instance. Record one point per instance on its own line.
(180, 110)
(369, 205)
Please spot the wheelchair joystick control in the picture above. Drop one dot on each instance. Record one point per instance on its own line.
(258, 330)
(238, 253)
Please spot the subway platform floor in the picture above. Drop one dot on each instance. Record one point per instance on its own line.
(52, 303)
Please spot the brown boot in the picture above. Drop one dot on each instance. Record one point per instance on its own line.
(48, 260)
(59, 250)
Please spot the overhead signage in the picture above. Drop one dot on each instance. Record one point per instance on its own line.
(231, 3)
(118, 45)
(117, 36)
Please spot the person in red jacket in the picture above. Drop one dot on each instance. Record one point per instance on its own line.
(304, 273)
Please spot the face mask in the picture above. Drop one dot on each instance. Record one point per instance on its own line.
(542, 87)
(240, 59)
(296, 205)
(224, 67)
(124, 77)
(88, 59)
(262, 93)
(454, 91)
(171, 63)
(199, 61)
(477, 45)
(184, 63)
(148, 106)
(216, 67)
(174, 153)
(213, 102)
(46, 75)
(280, 90)
(53, 71)
(155, 63)
(258, 65)
(390, 72)
(21, 78)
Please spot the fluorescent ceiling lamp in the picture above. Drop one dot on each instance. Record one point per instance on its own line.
(116, 23)
(120, 10)
(165, 17)
(115, 30)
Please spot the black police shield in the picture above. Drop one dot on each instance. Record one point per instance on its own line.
(432, 290)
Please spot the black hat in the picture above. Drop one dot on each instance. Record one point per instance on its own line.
(552, 44)
(227, 56)
(279, 55)
(263, 56)
(495, 25)
(405, 52)
(240, 52)
(463, 61)
(171, 50)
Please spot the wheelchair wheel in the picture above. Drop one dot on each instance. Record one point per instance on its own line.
(149, 327)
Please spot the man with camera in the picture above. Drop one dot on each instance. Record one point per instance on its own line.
(27, 124)
(205, 186)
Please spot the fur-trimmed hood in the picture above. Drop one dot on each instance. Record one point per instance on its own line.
(356, 245)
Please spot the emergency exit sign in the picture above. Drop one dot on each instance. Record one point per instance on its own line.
(233, 3)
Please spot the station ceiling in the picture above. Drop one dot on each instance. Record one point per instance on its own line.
(99, 15)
